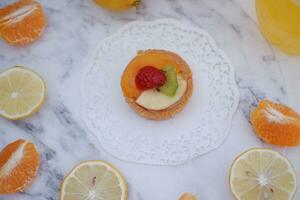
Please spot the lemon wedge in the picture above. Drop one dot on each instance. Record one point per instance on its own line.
(262, 174)
(22, 92)
(94, 180)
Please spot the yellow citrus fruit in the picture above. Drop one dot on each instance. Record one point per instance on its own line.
(262, 174)
(94, 180)
(22, 93)
(276, 124)
(118, 4)
(19, 164)
(187, 196)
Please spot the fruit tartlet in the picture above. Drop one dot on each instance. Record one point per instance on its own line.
(157, 84)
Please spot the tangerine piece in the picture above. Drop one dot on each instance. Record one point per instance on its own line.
(19, 163)
(276, 124)
(156, 58)
(22, 22)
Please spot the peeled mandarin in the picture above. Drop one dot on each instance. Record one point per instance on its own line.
(22, 22)
(19, 164)
(276, 124)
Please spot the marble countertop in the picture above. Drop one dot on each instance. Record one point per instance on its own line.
(74, 30)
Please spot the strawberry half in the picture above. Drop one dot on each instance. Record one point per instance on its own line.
(149, 77)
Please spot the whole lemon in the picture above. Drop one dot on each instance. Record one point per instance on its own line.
(118, 4)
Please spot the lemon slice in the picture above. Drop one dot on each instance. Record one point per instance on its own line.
(22, 93)
(262, 174)
(94, 180)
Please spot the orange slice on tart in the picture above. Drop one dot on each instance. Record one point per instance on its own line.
(157, 84)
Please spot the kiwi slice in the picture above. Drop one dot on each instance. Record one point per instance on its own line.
(171, 84)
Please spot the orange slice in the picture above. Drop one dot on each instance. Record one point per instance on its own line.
(276, 124)
(22, 22)
(19, 163)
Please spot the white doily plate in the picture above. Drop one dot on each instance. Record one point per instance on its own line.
(201, 127)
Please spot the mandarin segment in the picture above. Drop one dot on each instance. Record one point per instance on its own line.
(19, 163)
(22, 22)
(276, 124)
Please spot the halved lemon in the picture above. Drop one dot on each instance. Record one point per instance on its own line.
(94, 180)
(262, 174)
(22, 92)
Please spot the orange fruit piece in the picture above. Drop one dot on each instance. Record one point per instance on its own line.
(22, 22)
(155, 58)
(118, 5)
(276, 124)
(187, 196)
(19, 163)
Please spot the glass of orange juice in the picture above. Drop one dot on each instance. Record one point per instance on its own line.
(279, 21)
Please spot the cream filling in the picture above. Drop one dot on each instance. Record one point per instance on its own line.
(154, 100)
(13, 161)
(19, 14)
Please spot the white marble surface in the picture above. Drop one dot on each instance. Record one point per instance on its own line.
(73, 32)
